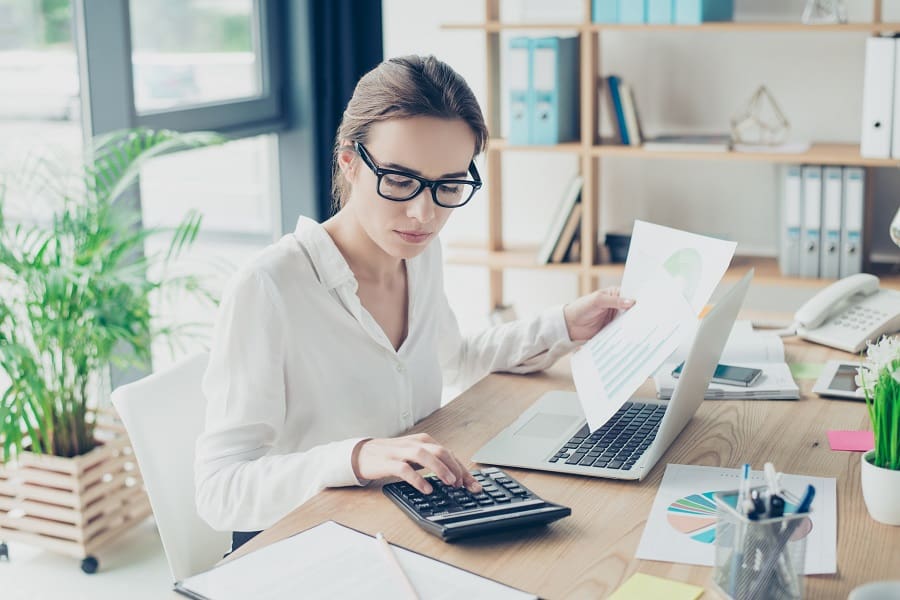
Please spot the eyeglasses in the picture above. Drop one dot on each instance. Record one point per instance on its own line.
(400, 186)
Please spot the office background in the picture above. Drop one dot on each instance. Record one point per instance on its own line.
(252, 190)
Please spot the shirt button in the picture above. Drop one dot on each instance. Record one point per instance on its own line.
(405, 414)
(400, 367)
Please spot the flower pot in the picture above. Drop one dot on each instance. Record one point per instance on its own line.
(73, 505)
(881, 490)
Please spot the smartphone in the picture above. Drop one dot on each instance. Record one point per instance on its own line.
(729, 374)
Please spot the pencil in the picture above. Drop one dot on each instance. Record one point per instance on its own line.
(388, 553)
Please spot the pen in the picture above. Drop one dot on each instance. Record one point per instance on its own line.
(388, 553)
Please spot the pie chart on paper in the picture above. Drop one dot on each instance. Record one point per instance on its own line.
(694, 516)
(685, 266)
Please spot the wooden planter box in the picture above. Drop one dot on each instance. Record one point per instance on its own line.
(74, 505)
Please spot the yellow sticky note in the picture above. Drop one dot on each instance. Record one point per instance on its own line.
(641, 586)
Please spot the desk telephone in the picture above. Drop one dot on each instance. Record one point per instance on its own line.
(848, 313)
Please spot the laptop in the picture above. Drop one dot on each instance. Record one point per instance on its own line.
(553, 435)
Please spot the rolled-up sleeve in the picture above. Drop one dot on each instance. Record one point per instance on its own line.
(240, 485)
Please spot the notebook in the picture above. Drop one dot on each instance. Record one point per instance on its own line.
(331, 560)
(744, 348)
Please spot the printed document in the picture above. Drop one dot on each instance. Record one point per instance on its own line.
(681, 527)
(671, 274)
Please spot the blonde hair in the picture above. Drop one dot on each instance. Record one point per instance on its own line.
(400, 88)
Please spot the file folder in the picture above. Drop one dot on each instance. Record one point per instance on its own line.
(605, 11)
(791, 221)
(895, 116)
(878, 98)
(693, 12)
(810, 240)
(555, 71)
(830, 265)
(852, 227)
(632, 11)
(521, 99)
(660, 11)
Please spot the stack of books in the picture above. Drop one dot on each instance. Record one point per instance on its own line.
(563, 242)
(745, 348)
(619, 103)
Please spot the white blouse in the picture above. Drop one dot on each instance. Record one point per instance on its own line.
(300, 372)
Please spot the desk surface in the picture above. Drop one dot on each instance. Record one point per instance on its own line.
(591, 553)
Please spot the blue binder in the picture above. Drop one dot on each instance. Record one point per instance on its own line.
(605, 11)
(692, 12)
(555, 81)
(660, 11)
(632, 11)
(521, 91)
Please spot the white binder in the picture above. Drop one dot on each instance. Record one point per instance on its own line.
(810, 240)
(791, 221)
(878, 98)
(830, 265)
(852, 227)
(895, 133)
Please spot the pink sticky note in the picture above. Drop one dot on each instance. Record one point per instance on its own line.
(853, 441)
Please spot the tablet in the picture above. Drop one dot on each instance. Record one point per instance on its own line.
(838, 380)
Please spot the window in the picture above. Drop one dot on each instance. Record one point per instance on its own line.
(40, 109)
(190, 52)
(234, 187)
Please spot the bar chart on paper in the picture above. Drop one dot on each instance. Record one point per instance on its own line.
(613, 364)
(621, 354)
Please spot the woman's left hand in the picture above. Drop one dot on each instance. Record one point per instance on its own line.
(591, 313)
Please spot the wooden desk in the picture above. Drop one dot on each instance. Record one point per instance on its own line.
(591, 553)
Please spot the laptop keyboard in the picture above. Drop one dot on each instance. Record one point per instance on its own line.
(619, 443)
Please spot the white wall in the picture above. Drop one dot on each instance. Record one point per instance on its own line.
(683, 81)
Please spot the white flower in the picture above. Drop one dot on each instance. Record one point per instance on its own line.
(880, 356)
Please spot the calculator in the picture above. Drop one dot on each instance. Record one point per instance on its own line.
(453, 513)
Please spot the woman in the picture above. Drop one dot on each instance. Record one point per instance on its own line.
(338, 338)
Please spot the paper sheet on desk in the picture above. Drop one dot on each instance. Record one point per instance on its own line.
(334, 561)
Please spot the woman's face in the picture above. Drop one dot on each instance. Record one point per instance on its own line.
(425, 146)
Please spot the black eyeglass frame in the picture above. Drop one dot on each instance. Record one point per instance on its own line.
(475, 182)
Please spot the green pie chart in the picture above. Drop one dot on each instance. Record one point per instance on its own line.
(686, 267)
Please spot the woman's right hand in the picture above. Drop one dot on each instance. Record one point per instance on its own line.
(403, 456)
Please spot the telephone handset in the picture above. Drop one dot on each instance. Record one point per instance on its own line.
(849, 313)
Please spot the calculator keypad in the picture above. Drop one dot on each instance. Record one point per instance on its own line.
(498, 488)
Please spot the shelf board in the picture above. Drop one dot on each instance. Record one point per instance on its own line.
(495, 26)
(767, 271)
(818, 154)
(502, 144)
(749, 26)
(730, 26)
(514, 258)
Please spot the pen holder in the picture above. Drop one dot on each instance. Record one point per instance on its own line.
(758, 559)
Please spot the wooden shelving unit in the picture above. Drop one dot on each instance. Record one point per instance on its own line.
(497, 257)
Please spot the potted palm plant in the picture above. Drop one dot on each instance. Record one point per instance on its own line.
(879, 377)
(76, 298)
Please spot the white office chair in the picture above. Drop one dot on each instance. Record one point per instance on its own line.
(164, 415)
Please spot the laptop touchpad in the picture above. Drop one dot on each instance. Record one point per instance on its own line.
(547, 425)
